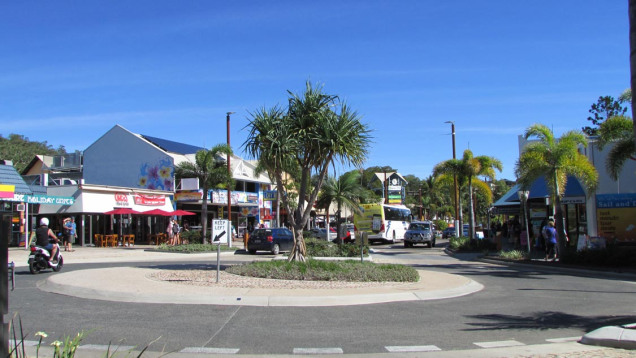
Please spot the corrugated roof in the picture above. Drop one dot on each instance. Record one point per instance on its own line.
(10, 176)
(171, 146)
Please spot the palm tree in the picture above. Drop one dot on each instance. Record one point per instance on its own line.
(555, 159)
(466, 169)
(211, 170)
(315, 131)
(617, 130)
(345, 192)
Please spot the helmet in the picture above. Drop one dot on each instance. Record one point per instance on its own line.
(44, 221)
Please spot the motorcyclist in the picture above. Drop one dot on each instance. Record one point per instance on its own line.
(44, 236)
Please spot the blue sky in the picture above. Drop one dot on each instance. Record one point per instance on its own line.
(71, 70)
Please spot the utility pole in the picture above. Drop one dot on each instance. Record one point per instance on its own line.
(457, 228)
(229, 190)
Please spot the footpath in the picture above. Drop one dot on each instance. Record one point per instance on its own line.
(134, 284)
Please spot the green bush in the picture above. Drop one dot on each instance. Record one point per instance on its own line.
(192, 236)
(441, 225)
(319, 270)
(514, 255)
(465, 244)
(322, 248)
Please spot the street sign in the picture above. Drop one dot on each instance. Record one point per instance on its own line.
(219, 232)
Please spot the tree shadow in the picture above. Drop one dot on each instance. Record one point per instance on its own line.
(546, 320)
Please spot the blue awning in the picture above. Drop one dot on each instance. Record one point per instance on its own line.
(539, 190)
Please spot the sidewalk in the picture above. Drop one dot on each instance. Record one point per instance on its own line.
(134, 284)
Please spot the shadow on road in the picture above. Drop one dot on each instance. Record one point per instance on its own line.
(544, 320)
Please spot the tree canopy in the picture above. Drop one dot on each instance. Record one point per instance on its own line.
(21, 150)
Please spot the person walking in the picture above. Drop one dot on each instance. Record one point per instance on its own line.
(169, 232)
(67, 233)
(176, 238)
(72, 234)
(550, 235)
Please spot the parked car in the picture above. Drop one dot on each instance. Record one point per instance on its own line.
(273, 240)
(321, 233)
(420, 232)
(348, 234)
(448, 232)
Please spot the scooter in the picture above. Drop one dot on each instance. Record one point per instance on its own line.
(39, 260)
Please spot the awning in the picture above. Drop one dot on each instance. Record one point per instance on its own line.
(539, 190)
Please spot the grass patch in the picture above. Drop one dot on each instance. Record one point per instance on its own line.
(321, 270)
(193, 248)
(513, 255)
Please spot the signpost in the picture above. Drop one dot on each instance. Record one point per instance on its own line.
(219, 234)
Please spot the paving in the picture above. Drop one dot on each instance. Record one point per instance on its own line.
(135, 284)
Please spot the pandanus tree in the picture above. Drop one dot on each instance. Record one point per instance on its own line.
(555, 159)
(314, 132)
(209, 166)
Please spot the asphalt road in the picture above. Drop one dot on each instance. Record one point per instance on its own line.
(518, 304)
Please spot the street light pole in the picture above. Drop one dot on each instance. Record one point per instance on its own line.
(456, 193)
(229, 190)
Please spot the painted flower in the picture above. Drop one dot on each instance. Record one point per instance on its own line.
(165, 172)
(153, 173)
(143, 181)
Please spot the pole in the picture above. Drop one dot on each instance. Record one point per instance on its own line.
(229, 190)
(386, 194)
(525, 218)
(456, 193)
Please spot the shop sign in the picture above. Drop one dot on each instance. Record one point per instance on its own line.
(220, 197)
(573, 200)
(188, 195)
(150, 200)
(615, 215)
(604, 201)
(269, 195)
(7, 191)
(121, 199)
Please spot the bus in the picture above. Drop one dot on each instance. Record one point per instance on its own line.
(382, 222)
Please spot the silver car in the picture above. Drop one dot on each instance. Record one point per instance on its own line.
(420, 232)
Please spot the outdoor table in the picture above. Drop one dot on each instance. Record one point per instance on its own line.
(110, 240)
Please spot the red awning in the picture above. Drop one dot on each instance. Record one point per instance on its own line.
(122, 211)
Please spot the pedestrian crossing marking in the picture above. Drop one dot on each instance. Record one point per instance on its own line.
(404, 349)
(563, 340)
(497, 344)
(104, 347)
(318, 351)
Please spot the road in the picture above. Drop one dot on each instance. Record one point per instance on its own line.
(521, 305)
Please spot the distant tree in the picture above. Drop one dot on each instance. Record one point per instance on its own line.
(604, 108)
(344, 192)
(211, 170)
(21, 150)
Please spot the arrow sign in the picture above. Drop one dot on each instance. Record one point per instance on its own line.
(219, 230)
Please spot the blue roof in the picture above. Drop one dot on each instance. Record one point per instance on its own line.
(10, 176)
(171, 146)
(539, 189)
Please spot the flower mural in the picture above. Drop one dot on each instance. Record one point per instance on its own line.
(158, 176)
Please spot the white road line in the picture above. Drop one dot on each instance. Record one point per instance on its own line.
(209, 350)
(403, 349)
(498, 344)
(563, 340)
(104, 347)
(318, 351)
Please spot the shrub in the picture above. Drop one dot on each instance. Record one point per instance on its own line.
(322, 248)
(514, 255)
(464, 243)
(318, 270)
(192, 236)
(441, 224)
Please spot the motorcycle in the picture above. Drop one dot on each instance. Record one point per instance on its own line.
(39, 260)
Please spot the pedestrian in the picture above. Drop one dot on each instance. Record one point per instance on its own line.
(67, 232)
(176, 238)
(169, 232)
(550, 241)
(540, 243)
(73, 234)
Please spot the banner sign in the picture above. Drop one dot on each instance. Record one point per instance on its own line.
(188, 195)
(270, 195)
(150, 200)
(615, 215)
(44, 199)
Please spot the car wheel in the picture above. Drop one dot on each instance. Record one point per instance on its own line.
(406, 244)
(251, 251)
(276, 249)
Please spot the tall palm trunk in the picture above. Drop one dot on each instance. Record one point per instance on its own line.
(471, 212)
(204, 216)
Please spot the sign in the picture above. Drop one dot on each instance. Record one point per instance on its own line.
(188, 195)
(220, 234)
(121, 199)
(7, 191)
(269, 195)
(573, 200)
(150, 200)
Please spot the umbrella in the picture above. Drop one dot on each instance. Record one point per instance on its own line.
(157, 212)
(182, 213)
(122, 211)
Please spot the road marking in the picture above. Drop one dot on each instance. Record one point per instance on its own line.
(209, 350)
(403, 349)
(13, 343)
(318, 351)
(497, 344)
(563, 340)
(104, 347)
